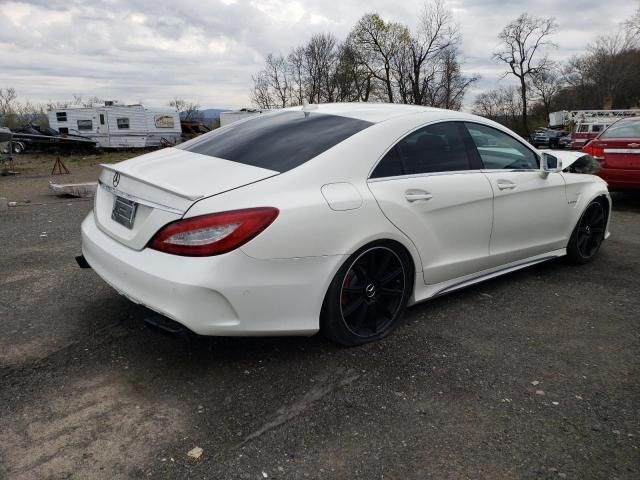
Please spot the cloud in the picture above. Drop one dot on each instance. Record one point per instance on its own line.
(154, 50)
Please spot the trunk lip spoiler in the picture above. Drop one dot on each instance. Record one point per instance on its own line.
(141, 180)
(141, 201)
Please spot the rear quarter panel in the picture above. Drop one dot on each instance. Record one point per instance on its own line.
(307, 226)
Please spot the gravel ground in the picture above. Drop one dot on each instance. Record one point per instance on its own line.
(532, 375)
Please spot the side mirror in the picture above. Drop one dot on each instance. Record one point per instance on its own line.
(550, 164)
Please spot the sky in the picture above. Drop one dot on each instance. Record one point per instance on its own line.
(151, 51)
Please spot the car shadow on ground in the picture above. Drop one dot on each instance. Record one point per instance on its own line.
(128, 319)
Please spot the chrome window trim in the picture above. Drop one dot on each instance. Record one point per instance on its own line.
(496, 170)
(451, 172)
(427, 174)
(139, 200)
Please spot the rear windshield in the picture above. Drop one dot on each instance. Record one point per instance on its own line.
(278, 141)
(623, 130)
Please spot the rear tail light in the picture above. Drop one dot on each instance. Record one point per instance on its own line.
(213, 234)
(595, 151)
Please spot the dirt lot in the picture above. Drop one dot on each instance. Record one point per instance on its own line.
(533, 375)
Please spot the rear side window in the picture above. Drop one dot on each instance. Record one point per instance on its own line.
(435, 148)
(623, 130)
(596, 128)
(61, 116)
(583, 129)
(501, 151)
(280, 141)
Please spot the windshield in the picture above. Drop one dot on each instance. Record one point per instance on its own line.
(277, 141)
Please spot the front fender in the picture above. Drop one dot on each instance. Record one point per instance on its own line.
(581, 190)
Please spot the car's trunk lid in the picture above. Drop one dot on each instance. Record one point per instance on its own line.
(137, 197)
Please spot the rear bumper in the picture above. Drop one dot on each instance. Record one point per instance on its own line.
(620, 179)
(230, 294)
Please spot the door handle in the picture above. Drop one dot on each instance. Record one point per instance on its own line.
(506, 185)
(417, 195)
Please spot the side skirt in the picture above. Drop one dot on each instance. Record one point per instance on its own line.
(424, 292)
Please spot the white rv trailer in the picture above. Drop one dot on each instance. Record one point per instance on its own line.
(119, 126)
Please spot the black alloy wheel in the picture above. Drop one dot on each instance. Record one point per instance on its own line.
(368, 295)
(588, 234)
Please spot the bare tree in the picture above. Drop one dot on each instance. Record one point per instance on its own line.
(8, 100)
(276, 72)
(605, 76)
(503, 105)
(378, 61)
(91, 101)
(632, 26)
(378, 43)
(574, 74)
(14, 113)
(608, 67)
(452, 85)
(522, 41)
(547, 84)
(296, 63)
(321, 58)
(487, 104)
(260, 94)
(190, 109)
(353, 80)
(436, 34)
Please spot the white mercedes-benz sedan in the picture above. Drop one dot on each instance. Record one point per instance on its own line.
(335, 218)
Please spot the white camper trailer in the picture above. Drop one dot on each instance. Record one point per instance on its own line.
(120, 126)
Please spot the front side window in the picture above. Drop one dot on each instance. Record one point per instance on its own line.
(596, 128)
(85, 125)
(280, 141)
(61, 116)
(623, 130)
(500, 150)
(123, 123)
(441, 147)
(583, 128)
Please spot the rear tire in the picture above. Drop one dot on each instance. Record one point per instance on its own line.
(587, 236)
(368, 295)
(17, 147)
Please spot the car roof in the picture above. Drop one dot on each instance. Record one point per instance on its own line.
(378, 112)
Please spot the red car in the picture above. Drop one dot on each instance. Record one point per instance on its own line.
(618, 150)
